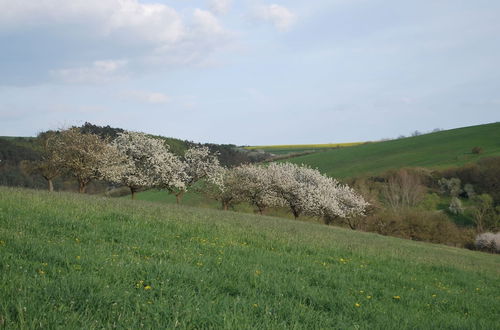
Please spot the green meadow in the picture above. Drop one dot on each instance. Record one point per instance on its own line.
(435, 150)
(74, 261)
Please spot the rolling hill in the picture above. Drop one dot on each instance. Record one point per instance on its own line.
(434, 150)
(75, 261)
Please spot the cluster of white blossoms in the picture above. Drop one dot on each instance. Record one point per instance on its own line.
(302, 189)
(146, 162)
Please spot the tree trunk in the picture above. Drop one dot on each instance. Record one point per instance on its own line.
(178, 196)
(261, 210)
(82, 187)
(132, 192)
(50, 185)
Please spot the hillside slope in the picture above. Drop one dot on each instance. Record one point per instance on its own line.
(440, 149)
(70, 261)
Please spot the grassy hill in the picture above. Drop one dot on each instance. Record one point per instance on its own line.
(436, 150)
(70, 261)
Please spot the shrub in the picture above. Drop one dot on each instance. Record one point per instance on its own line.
(456, 206)
(418, 225)
(477, 150)
(488, 242)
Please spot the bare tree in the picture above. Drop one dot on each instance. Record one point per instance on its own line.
(49, 165)
(403, 190)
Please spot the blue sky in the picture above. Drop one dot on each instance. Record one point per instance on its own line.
(250, 71)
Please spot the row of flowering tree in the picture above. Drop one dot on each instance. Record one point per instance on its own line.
(301, 189)
(139, 162)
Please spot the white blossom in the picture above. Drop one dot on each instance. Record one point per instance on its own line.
(148, 163)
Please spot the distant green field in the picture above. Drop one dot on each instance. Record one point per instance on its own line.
(435, 150)
(69, 261)
(301, 148)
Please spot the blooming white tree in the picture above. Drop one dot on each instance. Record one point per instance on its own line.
(224, 186)
(293, 184)
(147, 163)
(306, 190)
(256, 188)
(198, 164)
(331, 200)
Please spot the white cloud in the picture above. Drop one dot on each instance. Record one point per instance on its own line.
(146, 97)
(220, 7)
(206, 22)
(281, 17)
(97, 72)
(79, 33)
(115, 18)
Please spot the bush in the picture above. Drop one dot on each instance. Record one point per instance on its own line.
(477, 150)
(488, 242)
(418, 225)
(456, 206)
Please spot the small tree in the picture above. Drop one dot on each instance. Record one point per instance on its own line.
(403, 190)
(456, 206)
(484, 214)
(147, 163)
(293, 184)
(82, 155)
(224, 186)
(331, 200)
(450, 187)
(198, 164)
(49, 166)
(256, 187)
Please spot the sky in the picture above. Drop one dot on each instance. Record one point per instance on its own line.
(250, 72)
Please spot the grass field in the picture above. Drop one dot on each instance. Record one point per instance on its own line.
(435, 150)
(301, 148)
(70, 261)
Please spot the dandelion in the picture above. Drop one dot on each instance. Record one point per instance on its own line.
(258, 272)
(361, 291)
(396, 297)
(77, 257)
(199, 264)
(357, 305)
(255, 305)
(368, 297)
(41, 272)
(147, 287)
(434, 296)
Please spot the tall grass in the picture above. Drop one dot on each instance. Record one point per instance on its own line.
(70, 261)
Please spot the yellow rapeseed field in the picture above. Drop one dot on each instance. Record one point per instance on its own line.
(306, 146)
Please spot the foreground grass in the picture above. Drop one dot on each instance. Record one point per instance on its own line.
(435, 150)
(69, 261)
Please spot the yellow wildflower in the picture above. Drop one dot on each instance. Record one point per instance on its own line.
(396, 297)
(147, 287)
(357, 305)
